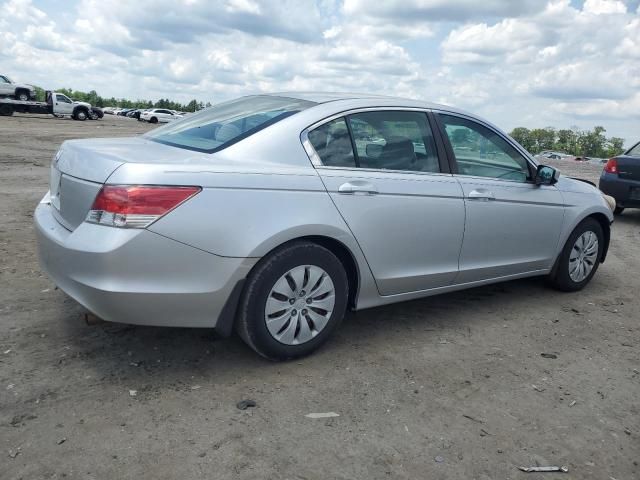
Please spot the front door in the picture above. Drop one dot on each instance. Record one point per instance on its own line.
(6, 87)
(62, 105)
(382, 170)
(512, 225)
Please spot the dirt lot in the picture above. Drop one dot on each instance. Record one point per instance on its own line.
(451, 387)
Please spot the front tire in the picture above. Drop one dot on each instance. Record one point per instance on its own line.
(580, 257)
(618, 210)
(293, 301)
(22, 95)
(153, 120)
(81, 115)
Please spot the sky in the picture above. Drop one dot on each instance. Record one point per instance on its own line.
(531, 63)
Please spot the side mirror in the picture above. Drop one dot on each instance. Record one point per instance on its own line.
(546, 175)
(373, 150)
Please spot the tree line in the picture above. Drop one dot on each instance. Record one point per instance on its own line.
(96, 100)
(588, 143)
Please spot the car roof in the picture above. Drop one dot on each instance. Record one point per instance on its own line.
(325, 97)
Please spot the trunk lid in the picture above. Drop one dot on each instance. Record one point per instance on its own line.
(628, 167)
(81, 167)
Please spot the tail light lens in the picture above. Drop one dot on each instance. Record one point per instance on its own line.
(136, 206)
(611, 166)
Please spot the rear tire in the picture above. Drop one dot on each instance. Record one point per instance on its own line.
(6, 110)
(580, 257)
(153, 120)
(297, 323)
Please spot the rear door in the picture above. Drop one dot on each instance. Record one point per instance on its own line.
(512, 225)
(383, 172)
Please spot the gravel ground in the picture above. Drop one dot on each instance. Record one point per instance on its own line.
(450, 387)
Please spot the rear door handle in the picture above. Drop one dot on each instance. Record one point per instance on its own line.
(481, 194)
(358, 186)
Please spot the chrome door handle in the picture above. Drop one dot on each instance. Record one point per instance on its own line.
(481, 194)
(358, 186)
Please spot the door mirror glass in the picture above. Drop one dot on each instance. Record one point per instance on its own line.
(546, 175)
(373, 150)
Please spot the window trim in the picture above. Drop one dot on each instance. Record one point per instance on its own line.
(531, 164)
(628, 152)
(317, 162)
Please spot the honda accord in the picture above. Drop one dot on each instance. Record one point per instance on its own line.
(274, 214)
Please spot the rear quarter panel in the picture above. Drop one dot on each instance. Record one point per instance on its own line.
(249, 213)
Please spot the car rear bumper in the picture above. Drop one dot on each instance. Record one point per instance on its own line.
(137, 276)
(621, 189)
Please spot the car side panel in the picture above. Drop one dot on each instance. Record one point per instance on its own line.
(249, 214)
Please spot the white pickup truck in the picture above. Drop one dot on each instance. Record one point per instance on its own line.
(57, 104)
(19, 91)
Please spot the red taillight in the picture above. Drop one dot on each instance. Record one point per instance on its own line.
(611, 166)
(136, 206)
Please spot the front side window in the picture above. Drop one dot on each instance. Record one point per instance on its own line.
(215, 128)
(332, 143)
(63, 98)
(635, 151)
(4, 79)
(394, 140)
(481, 152)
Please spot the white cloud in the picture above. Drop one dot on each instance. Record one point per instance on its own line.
(600, 7)
(530, 62)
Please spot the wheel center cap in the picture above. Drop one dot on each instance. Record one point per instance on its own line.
(300, 304)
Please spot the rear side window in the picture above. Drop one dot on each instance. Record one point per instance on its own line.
(383, 140)
(332, 143)
(635, 151)
(215, 128)
(394, 140)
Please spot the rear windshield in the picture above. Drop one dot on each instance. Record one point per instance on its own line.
(634, 151)
(217, 127)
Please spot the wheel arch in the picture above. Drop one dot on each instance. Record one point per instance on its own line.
(80, 108)
(22, 89)
(346, 257)
(340, 250)
(602, 219)
(604, 223)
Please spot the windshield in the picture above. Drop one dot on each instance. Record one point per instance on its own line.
(215, 128)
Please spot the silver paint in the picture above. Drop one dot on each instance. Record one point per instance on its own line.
(410, 234)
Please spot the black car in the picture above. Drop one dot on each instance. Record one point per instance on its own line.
(621, 179)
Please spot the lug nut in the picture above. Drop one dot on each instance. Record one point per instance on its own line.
(292, 301)
(304, 312)
(294, 312)
(303, 293)
(309, 300)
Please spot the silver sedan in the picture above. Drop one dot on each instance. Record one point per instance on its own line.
(274, 214)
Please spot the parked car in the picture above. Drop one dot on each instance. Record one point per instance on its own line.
(621, 179)
(19, 91)
(159, 115)
(274, 214)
